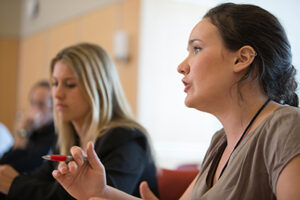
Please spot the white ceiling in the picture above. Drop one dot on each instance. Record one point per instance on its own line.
(15, 20)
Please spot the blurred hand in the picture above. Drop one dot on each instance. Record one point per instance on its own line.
(19, 142)
(33, 119)
(27, 120)
(7, 175)
(82, 179)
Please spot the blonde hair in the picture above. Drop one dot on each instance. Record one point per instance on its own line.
(99, 81)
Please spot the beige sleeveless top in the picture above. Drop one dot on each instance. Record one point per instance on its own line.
(255, 165)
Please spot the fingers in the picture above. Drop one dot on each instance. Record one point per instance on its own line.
(62, 168)
(56, 174)
(93, 158)
(146, 193)
(72, 167)
(78, 155)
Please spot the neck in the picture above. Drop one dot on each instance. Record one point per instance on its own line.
(236, 115)
(80, 128)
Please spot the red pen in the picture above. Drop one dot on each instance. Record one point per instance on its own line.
(60, 158)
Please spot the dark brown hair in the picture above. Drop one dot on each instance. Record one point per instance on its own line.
(243, 24)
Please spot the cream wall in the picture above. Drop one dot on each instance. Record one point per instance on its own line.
(10, 12)
(53, 12)
(9, 49)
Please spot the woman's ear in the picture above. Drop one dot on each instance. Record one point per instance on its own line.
(244, 57)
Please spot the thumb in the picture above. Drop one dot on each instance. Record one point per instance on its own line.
(146, 193)
(93, 158)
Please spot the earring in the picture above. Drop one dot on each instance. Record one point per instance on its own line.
(255, 54)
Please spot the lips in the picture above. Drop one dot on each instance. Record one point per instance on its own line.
(187, 85)
(61, 106)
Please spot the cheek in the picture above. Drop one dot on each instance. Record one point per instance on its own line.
(82, 102)
(85, 105)
(202, 68)
(206, 74)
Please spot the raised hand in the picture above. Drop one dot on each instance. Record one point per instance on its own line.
(82, 179)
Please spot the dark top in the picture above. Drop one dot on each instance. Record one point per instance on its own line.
(40, 142)
(125, 154)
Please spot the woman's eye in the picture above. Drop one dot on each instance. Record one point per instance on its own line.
(197, 50)
(70, 85)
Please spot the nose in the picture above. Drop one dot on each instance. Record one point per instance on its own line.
(183, 68)
(58, 92)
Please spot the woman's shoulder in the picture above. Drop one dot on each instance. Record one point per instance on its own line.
(285, 111)
(124, 132)
(279, 135)
(121, 135)
(279, 139)
(283, 122)
(283, 118)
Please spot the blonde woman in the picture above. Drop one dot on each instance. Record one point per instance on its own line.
(89, 105)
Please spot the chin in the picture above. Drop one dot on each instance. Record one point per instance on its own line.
(194, 102)
(188, 103)
(63, 117)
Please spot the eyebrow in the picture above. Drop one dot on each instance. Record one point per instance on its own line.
(66, 79)
(191, 41)
(194, 40)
